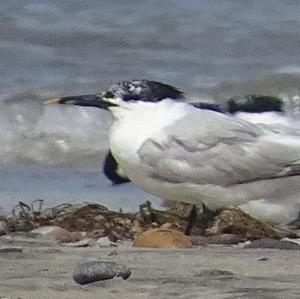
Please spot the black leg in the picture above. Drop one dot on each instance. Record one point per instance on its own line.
(202, 220)
(191, 220)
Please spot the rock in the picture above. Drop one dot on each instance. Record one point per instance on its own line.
(11, 250)
(235, 221)
(227, 239)
(276, 244)
(3, 228)
(58, 234)
(105, 242)
(88, 272)
(162, 238)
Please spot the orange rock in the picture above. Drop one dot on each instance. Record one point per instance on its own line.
(162, 238)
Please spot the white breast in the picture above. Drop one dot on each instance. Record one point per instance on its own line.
(135, 123)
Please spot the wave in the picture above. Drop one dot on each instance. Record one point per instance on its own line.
(33, 133)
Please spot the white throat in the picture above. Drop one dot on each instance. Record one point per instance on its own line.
(136, 122)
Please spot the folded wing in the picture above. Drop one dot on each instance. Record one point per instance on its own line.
(210, 148)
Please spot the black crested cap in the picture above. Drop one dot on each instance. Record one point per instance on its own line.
(253, 104)
(143, 90)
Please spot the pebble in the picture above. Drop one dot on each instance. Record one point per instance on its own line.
(89, 272)
(271, 243)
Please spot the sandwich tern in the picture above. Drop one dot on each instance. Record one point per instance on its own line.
(254, 108)
(178, 152)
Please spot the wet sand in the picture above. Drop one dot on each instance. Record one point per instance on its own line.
(44, 270)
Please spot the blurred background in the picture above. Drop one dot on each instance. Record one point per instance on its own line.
(211, 50)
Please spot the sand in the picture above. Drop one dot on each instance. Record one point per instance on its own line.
(44, 270)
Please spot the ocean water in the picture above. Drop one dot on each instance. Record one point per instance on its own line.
(211, 50)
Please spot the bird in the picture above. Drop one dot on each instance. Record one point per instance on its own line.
(255, 108)
(179, 152)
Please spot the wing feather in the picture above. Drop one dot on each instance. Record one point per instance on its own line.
(211, 148)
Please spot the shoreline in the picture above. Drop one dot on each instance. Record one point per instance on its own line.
(44, 270)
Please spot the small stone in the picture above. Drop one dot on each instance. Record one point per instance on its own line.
(3, 228)
(89, 272)
(162, 238)
(105, 242)
(276, 244)
(114, 252)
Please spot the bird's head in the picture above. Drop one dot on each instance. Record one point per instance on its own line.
(124, 91)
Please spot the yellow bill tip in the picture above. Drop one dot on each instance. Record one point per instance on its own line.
(52, 101)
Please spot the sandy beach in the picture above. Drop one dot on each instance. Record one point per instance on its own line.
(44, 270)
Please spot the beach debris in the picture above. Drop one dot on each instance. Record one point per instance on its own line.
(95, 221)
(295, 224)
(296, 240)
(57, 234)
(235, 221)
(3, 228)
(162, 238)
(96, 233)
(89, 272)
(274, 244)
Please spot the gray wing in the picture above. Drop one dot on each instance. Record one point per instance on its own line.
(211, 148)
